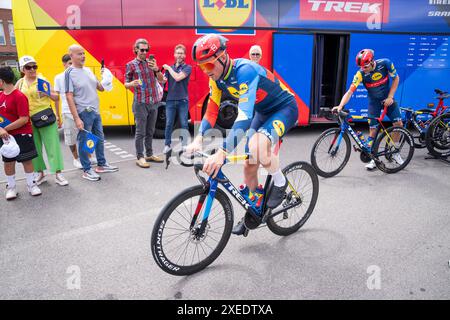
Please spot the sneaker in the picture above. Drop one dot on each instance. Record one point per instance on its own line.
(142, 163)
(34, 190)
(154, 159)
(39, 178)
(60, 180)
(398, 158)
(167, 149)
(11, 193)
(106, 168)
(91, 175)
(371, 165)
(276, 195)
(93, 160)
(77, 164)
(240, 229)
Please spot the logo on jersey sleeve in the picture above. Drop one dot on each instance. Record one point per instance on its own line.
(233, 91)
(377, 76)
(279, 127)
(227, 14)
(243, 88)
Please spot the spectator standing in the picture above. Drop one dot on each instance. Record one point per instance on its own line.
(177, 101)
(143, 76)
(45, 132)
(255, 53)
(14, 108)
(70, 129)
(81, 87)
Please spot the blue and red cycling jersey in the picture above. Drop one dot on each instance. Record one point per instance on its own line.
(255, 89)
(377, 81)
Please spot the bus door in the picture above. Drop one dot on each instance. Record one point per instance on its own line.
(292, 64)
(330, 72)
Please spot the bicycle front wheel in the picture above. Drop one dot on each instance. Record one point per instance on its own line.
(179, 247)
(302, 191)
(327, 157)
(438, 136)
(394, 148)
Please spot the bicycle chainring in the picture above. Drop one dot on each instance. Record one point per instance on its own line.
(364, 157)
(250, 221)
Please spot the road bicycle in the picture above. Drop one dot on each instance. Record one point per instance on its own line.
(417, 122)
(438, 137)
(194, 227)
(331, 151)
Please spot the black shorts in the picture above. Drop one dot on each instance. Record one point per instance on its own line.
(27, 148)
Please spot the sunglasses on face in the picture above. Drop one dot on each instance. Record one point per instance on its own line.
(367, 66)
(209, 66)
(256, 54)
(31, 67)
(144, 50)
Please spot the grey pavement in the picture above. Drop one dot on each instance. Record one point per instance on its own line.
(365, 224)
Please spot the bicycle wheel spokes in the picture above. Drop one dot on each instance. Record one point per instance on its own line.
(182, 243)
(394, 148)
(302, 192)
(186, 246)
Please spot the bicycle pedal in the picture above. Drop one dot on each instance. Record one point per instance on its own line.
(356, 149)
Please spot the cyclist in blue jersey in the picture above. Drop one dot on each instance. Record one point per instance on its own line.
(374, 75)
(266, 111)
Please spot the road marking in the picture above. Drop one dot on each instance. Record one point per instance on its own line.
(115, 149)
(110, 146)
(127, 156)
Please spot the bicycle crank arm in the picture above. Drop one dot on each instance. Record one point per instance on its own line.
(279, 211)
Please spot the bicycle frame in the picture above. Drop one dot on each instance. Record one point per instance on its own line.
(211, 186)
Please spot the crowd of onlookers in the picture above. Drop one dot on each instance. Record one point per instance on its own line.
(29, 124)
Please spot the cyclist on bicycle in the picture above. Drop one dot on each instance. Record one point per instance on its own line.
(374, 74)
(265, 106)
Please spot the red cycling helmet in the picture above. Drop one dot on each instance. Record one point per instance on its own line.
(364, 57)
(207, 47)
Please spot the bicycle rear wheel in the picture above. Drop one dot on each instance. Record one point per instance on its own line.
(438, 136)
(327, 158)
(180, 249)
(303, 189)
(394, 148)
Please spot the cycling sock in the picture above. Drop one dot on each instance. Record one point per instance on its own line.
(30, 178)
(11, 181)
(278, 178)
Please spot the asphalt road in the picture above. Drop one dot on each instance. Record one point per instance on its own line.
(371, 236)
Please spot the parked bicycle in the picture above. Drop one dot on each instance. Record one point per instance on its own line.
(438, 136)
(392, 148)
(417, 122)
(194, 227)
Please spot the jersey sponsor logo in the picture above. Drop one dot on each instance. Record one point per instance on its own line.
(225, 13)
(351, 11)
(243, 88)
(377, 76)
(3, 105)
(279, 127)
(234, 92)
(377, 83)
(2, 119)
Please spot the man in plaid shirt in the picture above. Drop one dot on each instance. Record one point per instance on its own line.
(143, 76)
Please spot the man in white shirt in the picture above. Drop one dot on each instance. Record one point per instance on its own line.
(70, 129)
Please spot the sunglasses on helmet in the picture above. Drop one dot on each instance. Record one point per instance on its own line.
(209, 65)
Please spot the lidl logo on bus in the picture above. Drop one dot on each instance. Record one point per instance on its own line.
(349, 11)
(377, 76)
(228, 14)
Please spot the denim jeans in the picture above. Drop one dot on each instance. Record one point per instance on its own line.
(93, 123)
(145, 116)
(172, 106)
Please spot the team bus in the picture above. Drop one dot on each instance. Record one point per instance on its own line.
(310, 45)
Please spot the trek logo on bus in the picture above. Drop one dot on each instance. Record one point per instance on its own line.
(228, 14)
(348, 11)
